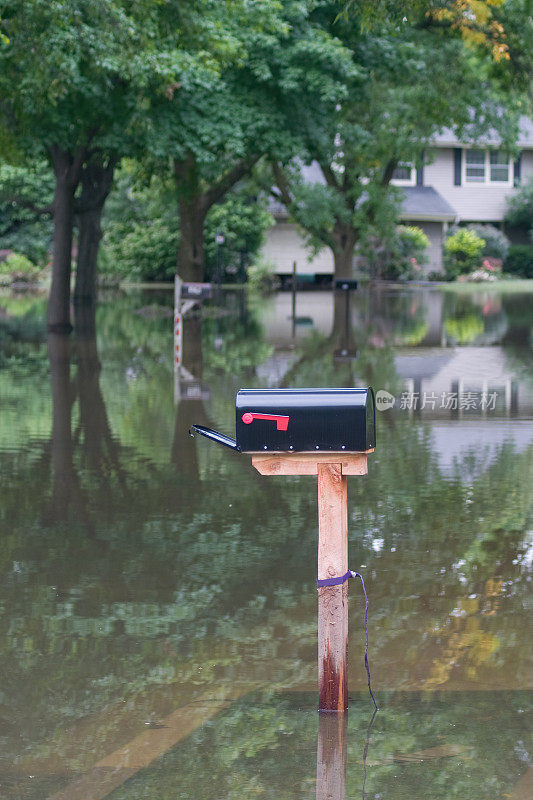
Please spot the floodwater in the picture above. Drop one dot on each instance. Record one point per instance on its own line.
(157, 595)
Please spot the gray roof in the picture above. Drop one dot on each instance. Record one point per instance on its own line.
(419, 203)
(447, 136)
(424, 203)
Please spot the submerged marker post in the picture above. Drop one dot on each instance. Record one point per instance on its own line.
(327, 433)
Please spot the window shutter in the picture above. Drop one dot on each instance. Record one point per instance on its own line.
(457, 165)
(517, 167)
(420, 171)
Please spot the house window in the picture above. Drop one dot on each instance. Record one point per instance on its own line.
(487, 167)
(499, 167)
(404, 175)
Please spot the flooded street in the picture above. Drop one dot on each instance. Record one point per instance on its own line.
(158, 596)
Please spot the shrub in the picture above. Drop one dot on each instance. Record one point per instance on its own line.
(243, 221)
(519, 260)
(18, 269)
(145, 251)
(262, 278)
(400, 257)
(490, 270)
(462, 253)
(520, 208)
(496, 242)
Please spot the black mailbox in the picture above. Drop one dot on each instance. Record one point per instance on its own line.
(301, 420)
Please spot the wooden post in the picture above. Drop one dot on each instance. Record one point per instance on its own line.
(332, 469)
(332, 600)
(293, 290)
(331, 757)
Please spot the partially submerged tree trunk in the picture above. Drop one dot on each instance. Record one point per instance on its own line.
(191, 253)
(345, 238)
(96, 183)
(195, 199)
(67, 168)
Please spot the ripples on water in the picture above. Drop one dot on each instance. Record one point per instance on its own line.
(158, 602)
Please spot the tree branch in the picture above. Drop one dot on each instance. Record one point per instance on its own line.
(287, 200)
(388, 171)
(329, 175)
(218, 189)
(97, 181)
(282, 184)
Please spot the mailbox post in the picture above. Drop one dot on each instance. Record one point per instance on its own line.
(327, 433)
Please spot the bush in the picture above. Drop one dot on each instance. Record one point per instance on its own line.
(520, 208)
(496, 242)
(262, 278)
(22, 229)
(400, 257)
(18, 269)
(243, 221)
(144, 251)
(519, 260)
(462, 253)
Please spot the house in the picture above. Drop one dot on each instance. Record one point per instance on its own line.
(458, 182)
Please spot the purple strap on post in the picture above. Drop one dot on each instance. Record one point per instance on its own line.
(337, 582)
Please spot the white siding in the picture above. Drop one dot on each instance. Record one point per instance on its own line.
(284, 244)
(472, 203)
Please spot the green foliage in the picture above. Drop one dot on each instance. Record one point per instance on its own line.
(142, 251)
(16, 268)
(519, 260)
(519, 212)
(243, 220)
(496, 242)
(400, 73)
(262, 277)
(399, 255)
(82, 79)
(141, 228)
(24, 191)
(412, 244)
(462, 252)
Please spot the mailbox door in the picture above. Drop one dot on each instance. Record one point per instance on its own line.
(305, 420)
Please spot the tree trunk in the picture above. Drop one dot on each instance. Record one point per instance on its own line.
(67, 173)
(195, 200)
(89, 237)
(96, 181)
(191, 253)
(58, 315)
(345, 238)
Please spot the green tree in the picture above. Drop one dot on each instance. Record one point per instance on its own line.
(63, 73)
(408, 79)
(216, 127)
(78, 81)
